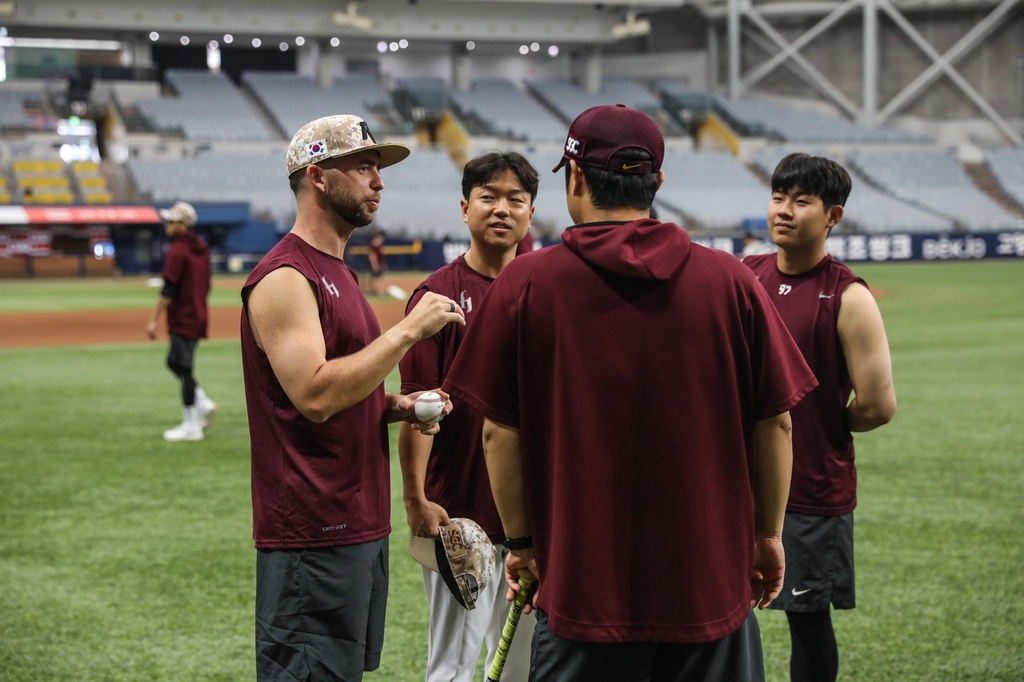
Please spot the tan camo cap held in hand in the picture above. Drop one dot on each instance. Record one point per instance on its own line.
(333, 136)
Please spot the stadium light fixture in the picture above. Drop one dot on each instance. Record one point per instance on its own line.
(524, 49)
(470, 45)
(403, 43)
(352, 19)
(256, 42)
(382, 47)
(534, 47)
(335, 42)
(184, 40)
(154, 36)
(283, 47)
(62, 43)
(300, 41)
(228, 38)
(631, 27)
(393, 47)
(553, 51)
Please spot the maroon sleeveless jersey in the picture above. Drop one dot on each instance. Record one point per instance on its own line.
(316, 485)
(456, 473)
(824, 475)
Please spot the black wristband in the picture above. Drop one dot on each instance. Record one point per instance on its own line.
(518, 543)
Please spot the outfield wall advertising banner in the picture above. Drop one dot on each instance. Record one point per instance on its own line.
(878, 248)
(901, 247)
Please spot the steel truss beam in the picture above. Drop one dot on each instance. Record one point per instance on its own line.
(869, 114)
(944, 64)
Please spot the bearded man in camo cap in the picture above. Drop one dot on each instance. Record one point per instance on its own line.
(314, 362)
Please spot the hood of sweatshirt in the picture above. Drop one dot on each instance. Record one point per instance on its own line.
(194, 242)
(644, 249)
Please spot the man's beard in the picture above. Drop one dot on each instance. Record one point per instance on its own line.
(348, 207)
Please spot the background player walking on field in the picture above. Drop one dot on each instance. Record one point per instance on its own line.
(186, 286)
(635, 389)
(445, 475)
(837, 325)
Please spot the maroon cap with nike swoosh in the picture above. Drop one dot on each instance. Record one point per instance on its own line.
(601, 132)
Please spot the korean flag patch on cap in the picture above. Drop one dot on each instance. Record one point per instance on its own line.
(316, 148)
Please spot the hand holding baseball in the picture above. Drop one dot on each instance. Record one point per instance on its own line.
(405, 409)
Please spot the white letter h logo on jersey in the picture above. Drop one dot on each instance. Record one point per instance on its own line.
(330, 286)
(465, 303)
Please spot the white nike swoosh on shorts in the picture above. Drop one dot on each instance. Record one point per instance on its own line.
(797, 594)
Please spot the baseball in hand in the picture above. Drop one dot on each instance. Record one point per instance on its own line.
(429, 408)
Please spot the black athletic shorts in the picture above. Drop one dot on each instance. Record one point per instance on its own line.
(736, 658)
(320, 612)
(819, 563)
(181, 353)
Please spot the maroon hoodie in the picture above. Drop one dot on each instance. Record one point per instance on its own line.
(187, 267)
(635, 365)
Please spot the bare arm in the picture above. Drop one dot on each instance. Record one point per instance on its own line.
(501, 450)
(774, 468)
(423, 515)
(862, 335)
(161, 307)
(285, 320)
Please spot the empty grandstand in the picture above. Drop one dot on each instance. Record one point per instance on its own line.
(934, 180)
(550, 214)
(12, 109)
(712, 189)
(1007, 165)
(293, 100)
(570, 101)
(208, 106)
(258, 179)
(509, 112)
(421, 197)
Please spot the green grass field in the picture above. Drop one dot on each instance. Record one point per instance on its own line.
(123, 557)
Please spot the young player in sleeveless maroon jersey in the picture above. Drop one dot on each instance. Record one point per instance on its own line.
(836, 323)
(445, 475)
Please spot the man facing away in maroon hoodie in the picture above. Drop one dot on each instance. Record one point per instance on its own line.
(186, 285)
(635, 388)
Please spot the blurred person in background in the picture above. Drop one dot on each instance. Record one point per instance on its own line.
(183, 298)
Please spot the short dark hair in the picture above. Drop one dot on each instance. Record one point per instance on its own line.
(815, 176)
(611, 189)
(295, 180)
(489, 165)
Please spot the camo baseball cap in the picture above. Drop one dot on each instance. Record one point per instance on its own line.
(180, 212)
(331, 137)
(463, 555)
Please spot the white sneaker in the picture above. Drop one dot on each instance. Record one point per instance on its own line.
(206, 407)
(188, 429)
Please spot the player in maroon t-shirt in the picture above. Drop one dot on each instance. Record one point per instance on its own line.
(445, 475)
(635, 388)
(314, 361)
(836, 323)
(186, 285)
(378, 262)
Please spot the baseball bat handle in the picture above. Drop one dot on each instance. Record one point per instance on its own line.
(509, 631)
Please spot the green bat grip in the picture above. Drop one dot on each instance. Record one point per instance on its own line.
(509, 631)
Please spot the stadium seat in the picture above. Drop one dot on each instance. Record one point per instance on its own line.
(208, 107)
(936, 181)
(1007, 165)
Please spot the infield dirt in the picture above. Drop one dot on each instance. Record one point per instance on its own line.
(73, 328)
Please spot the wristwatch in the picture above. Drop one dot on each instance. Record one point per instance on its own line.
(525, 542)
